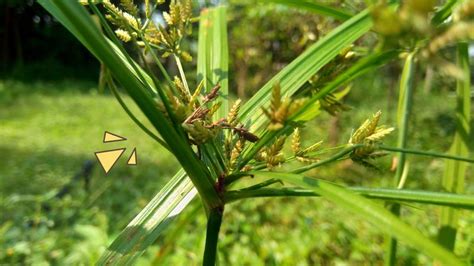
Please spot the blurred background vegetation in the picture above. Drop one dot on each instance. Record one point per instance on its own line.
(57, 206)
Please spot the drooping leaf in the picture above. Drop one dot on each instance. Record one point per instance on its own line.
(293, 76)
(370, 211)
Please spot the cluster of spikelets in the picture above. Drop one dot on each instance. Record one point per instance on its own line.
(195, 111)
(272, 155)
(126, 17)
(281, 108)
(178, 22)
(303, 155)
(368, 134)
(331, 102)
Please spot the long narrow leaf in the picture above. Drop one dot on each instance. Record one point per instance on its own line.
(455, 171)
(394, 195)
(374, 213)
(213, 56)
(293, 76)
(143, 230)
(403, 114)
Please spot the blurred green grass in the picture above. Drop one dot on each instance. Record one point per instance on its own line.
(48, 130)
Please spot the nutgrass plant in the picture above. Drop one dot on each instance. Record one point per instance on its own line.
(231, 152)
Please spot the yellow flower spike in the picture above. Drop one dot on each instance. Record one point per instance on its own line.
(233, 113)
(368, 134)
(296, 141)
(123, 35)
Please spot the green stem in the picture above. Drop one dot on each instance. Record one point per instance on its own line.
(157, 61)
(148, 19)
(212, 235)
(263, 184)
(181, 73)
(332, 159)
(427, 153)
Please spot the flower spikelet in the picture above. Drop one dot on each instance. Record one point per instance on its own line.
(233, 113)
(368, 134)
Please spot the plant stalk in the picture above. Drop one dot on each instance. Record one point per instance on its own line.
(329, 160)
(427, 153)
(181, 73)
(212, 235)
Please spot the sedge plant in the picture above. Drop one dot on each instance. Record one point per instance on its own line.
(231, 151)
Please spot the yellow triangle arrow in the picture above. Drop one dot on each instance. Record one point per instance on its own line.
(111, 137)
(107, 159)
(133, 158)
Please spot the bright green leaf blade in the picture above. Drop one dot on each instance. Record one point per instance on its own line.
(204, 51)
(213, 56)
(419, 196)
(394, 195)
(316, 8)
(455, 171)
(376, 214)
(293, 76)
(145, 228)
(220, 59)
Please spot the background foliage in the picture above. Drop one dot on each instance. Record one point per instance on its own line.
(50, 126)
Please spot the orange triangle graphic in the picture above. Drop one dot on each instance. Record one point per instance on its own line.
(107, 159)
(111, 137)
(133, 158)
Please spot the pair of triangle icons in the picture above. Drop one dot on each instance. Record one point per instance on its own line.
(108, 158)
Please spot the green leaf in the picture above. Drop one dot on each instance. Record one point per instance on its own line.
(393, 195)
(419, 196)
(293, 76)
(455, 171)
(403, 114)
(213, 55)
(370, 211)
(145, 228)
(316, 8)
